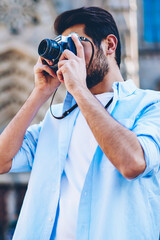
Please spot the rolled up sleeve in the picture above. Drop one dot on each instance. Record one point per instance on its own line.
(147, 129)
(23, 160)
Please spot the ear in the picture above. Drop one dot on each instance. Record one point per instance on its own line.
(110, 44)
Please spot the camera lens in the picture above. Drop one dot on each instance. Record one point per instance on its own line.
(49, 49)
(42, 47)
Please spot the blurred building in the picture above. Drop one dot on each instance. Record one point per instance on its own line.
(149, 43)
(22, 26)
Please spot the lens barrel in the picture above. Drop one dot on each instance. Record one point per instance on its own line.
(49, 49)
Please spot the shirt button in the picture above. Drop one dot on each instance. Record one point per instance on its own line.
(50, 219)
(85, 194)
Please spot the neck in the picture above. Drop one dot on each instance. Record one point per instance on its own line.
(112, 76)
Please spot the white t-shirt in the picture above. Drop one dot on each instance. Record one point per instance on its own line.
(82, 148)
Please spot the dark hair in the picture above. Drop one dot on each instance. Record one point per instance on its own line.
(98, 22)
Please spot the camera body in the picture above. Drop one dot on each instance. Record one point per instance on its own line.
(52, 49)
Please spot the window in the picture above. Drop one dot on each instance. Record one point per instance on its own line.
(151, 21)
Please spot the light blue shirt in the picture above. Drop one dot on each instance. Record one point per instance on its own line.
(111, 207)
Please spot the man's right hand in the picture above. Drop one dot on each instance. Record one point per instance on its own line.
(46, 81)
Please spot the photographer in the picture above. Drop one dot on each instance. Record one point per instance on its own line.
(95, 172)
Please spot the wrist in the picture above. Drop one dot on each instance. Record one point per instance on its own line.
(41, 96)
(81, 93)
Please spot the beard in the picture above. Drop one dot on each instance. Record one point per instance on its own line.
(97, 70)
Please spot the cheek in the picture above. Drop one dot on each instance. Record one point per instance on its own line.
(88, 55)
(87, 52)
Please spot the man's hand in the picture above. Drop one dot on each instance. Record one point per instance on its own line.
(72, 68)
(46, 80)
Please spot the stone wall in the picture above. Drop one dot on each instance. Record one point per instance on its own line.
(18, 52)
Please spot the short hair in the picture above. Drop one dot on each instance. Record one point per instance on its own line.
(98, 22)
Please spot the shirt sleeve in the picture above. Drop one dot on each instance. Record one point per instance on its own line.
(23, 160)
(147, 129)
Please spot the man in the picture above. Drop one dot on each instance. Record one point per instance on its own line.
(95, 173)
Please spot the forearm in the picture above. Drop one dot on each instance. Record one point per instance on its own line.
(119, 144)
(12, 137)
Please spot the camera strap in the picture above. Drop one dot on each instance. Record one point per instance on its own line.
(87, 40)
(66, 113)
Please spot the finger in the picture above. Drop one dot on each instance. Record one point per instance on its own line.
(39, 68)
(60, 76)
(40, 60)
(79, 46)
(46, 61)
(61, 63)
(67, 54)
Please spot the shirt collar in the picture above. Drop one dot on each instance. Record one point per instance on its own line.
(124, 89)
(68, 102)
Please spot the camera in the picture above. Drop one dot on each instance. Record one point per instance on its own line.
(52, 49)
